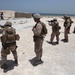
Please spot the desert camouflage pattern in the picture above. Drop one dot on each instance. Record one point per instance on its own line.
(8, 45)
(38, 40)
(55, 31)
(67, 24)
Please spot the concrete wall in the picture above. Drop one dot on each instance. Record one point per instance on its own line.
(23, 15)
(8, 13)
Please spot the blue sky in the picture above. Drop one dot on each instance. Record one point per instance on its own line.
(39, 6)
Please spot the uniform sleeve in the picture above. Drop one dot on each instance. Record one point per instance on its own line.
(14, 30)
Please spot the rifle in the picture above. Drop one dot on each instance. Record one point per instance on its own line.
(50, 21)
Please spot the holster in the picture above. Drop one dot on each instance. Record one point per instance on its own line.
(4, 46)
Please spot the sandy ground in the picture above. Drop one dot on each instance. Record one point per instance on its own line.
(58, 59)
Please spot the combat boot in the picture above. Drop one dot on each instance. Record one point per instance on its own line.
(37, 62)
(4, 66)
(51, 42)
(66, 40)
(16, 61)
(57, 42)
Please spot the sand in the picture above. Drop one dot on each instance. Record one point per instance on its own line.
(58, 59)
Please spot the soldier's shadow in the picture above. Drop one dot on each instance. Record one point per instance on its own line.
(10, 64)
(53, 43)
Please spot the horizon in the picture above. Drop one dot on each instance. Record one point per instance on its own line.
(44, 14)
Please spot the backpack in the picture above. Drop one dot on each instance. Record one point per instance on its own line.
(44, 29)
(10, 34)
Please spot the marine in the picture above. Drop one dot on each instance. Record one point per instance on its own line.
(65, 21)
(8, 39)
(67, 24)
(55, 30)
(39, 31)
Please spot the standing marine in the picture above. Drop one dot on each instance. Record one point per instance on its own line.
(67, 24)
(39, 31)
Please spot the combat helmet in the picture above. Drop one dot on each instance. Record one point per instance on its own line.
(8, 23)
(37, 16)
(54, 19)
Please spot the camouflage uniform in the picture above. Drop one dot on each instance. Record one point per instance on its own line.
(55, 30)
(38, 40)
(38, 37)
(8, 46)
(70, 20)
(67, 25)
